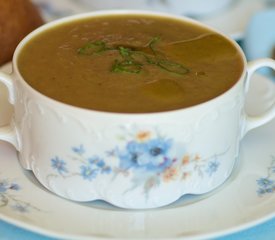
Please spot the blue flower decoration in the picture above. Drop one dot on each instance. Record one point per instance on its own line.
(20, 208)
(157, 153)
(264, 182)
(15, 187)
(262, 191)
(79, 150)
(59, 165)
(95, 160)
(130, 156)
(212, 167)
(3, 186)
(151, 155)
(266, 185)
(146, 159)
(100, 164)
(88, 173)
(158, 146)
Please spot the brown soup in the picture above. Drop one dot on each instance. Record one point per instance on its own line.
(130, 63)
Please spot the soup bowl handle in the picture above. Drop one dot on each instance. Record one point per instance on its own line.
(9, 133)
(251, 122)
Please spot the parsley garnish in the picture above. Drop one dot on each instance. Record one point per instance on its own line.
(132, 59)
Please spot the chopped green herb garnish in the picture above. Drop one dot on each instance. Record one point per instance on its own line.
(152, 44)
(132, 60)
(128, 66)
(125, 52)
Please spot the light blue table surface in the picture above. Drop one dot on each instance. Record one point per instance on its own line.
(264, 231)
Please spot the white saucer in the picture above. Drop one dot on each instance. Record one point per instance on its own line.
(244, 201)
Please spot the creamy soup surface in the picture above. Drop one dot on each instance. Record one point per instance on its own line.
(130, 63)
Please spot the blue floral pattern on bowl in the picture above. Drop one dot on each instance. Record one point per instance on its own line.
(146, 158)
(89, 166)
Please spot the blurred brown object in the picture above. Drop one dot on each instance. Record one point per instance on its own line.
(17, 19)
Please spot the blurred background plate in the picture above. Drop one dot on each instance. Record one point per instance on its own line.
(228, 16)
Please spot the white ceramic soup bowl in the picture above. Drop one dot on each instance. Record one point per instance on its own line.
(135, 161)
